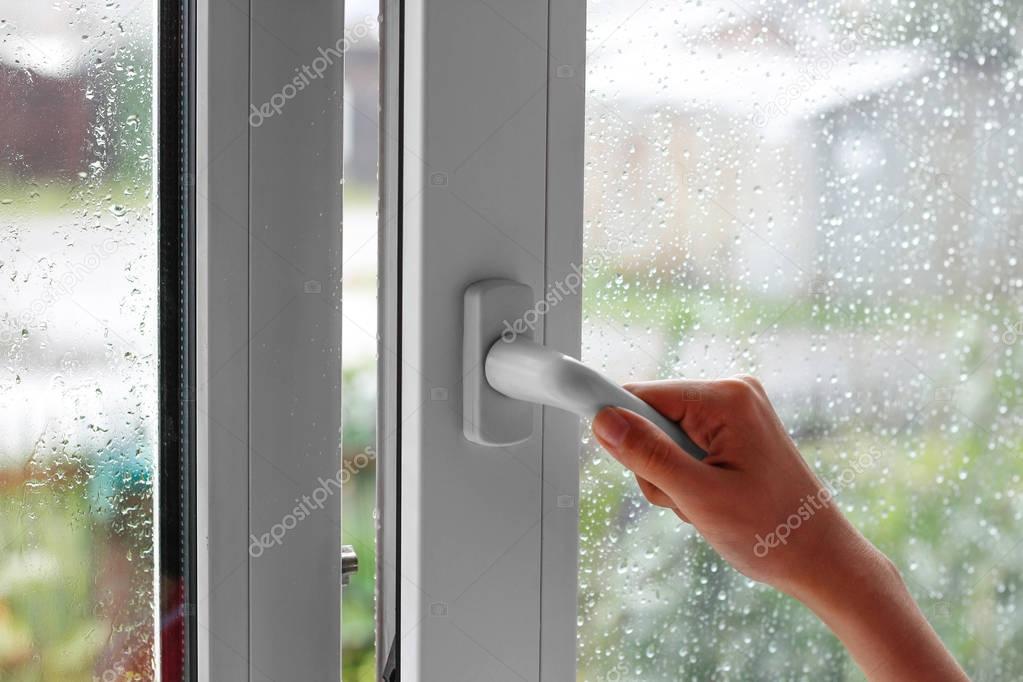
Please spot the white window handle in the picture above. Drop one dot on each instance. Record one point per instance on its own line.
(521, 368)
(504, 370)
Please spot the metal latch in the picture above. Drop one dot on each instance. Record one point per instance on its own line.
(349, 564)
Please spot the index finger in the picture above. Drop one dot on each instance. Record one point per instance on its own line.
(671, 397)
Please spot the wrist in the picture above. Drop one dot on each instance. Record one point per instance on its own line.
(861, 596)
(847, 572)
(838, 561)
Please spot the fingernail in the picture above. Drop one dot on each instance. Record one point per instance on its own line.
(611, 426)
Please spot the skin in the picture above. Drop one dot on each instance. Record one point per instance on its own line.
(748, 487)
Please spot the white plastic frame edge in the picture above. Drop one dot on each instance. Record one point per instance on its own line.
(268, 216)
(416, 169)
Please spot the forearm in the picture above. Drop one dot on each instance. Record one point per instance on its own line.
(862, 598)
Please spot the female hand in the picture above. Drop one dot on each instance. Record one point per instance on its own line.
(760, 506)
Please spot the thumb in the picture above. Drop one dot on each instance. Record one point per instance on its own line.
(648, 452)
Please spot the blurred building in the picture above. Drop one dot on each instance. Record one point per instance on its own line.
(45, 123)
(752, 146)
(50, 91)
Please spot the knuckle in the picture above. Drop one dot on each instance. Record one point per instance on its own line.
(752, 381)
(737, 392)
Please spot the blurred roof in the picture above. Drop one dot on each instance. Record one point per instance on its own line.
(61, 39)
(754, 60)
(771, 85)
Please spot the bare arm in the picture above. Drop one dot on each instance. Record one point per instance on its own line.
(760, 506)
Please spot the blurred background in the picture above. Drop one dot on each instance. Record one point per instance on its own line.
(828, 195)
(78, 342)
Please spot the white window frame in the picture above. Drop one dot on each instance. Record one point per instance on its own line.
(482, 143)
(482, 176)
(268, 255)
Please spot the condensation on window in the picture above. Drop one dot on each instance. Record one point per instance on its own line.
(78, 341)
(829, 196)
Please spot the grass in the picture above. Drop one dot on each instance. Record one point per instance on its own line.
(57, 608)
(62, 196)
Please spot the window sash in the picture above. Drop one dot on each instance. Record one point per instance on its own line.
(481, 153)
(268, 212)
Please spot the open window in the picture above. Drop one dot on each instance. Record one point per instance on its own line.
(826, 195)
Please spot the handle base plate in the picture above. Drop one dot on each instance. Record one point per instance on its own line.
(494, 307)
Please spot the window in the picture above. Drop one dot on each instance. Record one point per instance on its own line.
(93, 466)
(827, 196)
(268, 376)
(358, 331)
(170, 472)
(481, 156)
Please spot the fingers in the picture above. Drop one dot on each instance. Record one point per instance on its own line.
(658, 497)
(704, 407)
(671, 397)
(650, 454)
(653, 494)
(753, 383)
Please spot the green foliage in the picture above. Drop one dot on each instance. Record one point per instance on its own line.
(50, 625)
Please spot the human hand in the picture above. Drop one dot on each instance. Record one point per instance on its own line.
(753, 498)
(760, 506)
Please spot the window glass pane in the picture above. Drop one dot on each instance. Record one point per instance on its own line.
(78, 341)
(358, 331)
(827, 195)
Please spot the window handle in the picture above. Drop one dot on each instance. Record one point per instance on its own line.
(522, 369)
(504, 370)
